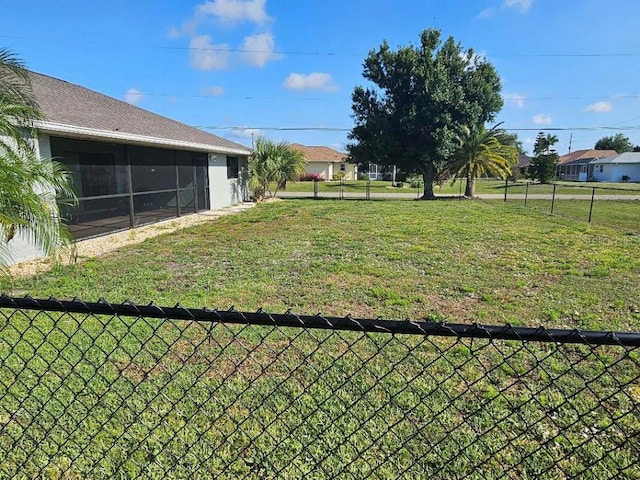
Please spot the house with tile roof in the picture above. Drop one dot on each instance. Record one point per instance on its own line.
(574, 165)
(619, 168)
(130, 166)
(327, 162)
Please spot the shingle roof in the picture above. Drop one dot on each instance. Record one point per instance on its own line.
(627, 157)
(320, 154)
(67, 104)
(586, 155)
(523, 161)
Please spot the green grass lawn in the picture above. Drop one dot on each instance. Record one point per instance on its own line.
(461, 260)
(101, 397)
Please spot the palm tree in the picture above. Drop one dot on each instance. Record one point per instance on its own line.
(482, 152)
(29, 185)
(272, 164)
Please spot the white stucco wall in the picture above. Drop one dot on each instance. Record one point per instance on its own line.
(329, 169)
(320, 168)
(224, 192)
(615, 172)
(631, 170)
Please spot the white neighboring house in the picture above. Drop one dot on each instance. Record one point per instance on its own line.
(621, 168)
(326, 162)
(130, 167)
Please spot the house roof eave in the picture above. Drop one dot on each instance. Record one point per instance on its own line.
(75, 131)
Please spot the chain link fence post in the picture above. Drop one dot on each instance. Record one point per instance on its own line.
(593, 194)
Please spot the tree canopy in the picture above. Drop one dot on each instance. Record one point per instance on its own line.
(483, 152)
(423, 96)
(617, 142)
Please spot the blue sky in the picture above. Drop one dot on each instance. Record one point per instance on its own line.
(261, 66)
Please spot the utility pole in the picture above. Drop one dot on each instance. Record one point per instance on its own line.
(570, 139)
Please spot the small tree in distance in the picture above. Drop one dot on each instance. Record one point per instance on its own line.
(543, 165)
(271, 165)
(483, 152)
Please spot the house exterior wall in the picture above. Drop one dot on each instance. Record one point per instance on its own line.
(319, 168)
(604, 175)
(615, 172)
(224, 191)
(350, 171)
(329, 169)
(630, 170)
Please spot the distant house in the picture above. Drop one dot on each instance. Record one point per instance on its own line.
(130, 166)
(620, 168)
(523, 165)
(574, 165)
(326, 162)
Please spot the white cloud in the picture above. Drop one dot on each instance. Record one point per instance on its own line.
(245, 135)
(487, 13)
(521, 5)
(174, 33)
(208, 56)
(313, 81)
(258, 49)
(133, 96)
(600, 107)
(542, 119)
(246, 132)
(514, 99)
(528, 141)
(235, 11)
(215, 90)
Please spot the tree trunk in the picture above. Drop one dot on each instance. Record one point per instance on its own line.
(427, 178)
(470, 189)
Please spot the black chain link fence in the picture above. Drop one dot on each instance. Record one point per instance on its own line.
(616, 207)
(126, 391)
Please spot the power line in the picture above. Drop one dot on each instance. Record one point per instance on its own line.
(298, 97)
(342, 129)
(320, 53)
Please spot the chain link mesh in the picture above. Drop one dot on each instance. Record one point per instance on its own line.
(89, 394)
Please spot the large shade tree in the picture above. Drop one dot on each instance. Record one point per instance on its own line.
(271, 165)
(483, 152)
(617, 142)
(422, 98)
(29, 186)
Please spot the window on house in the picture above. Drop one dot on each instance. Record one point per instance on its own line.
(343, 167)
(601, 168)
(232, 167)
